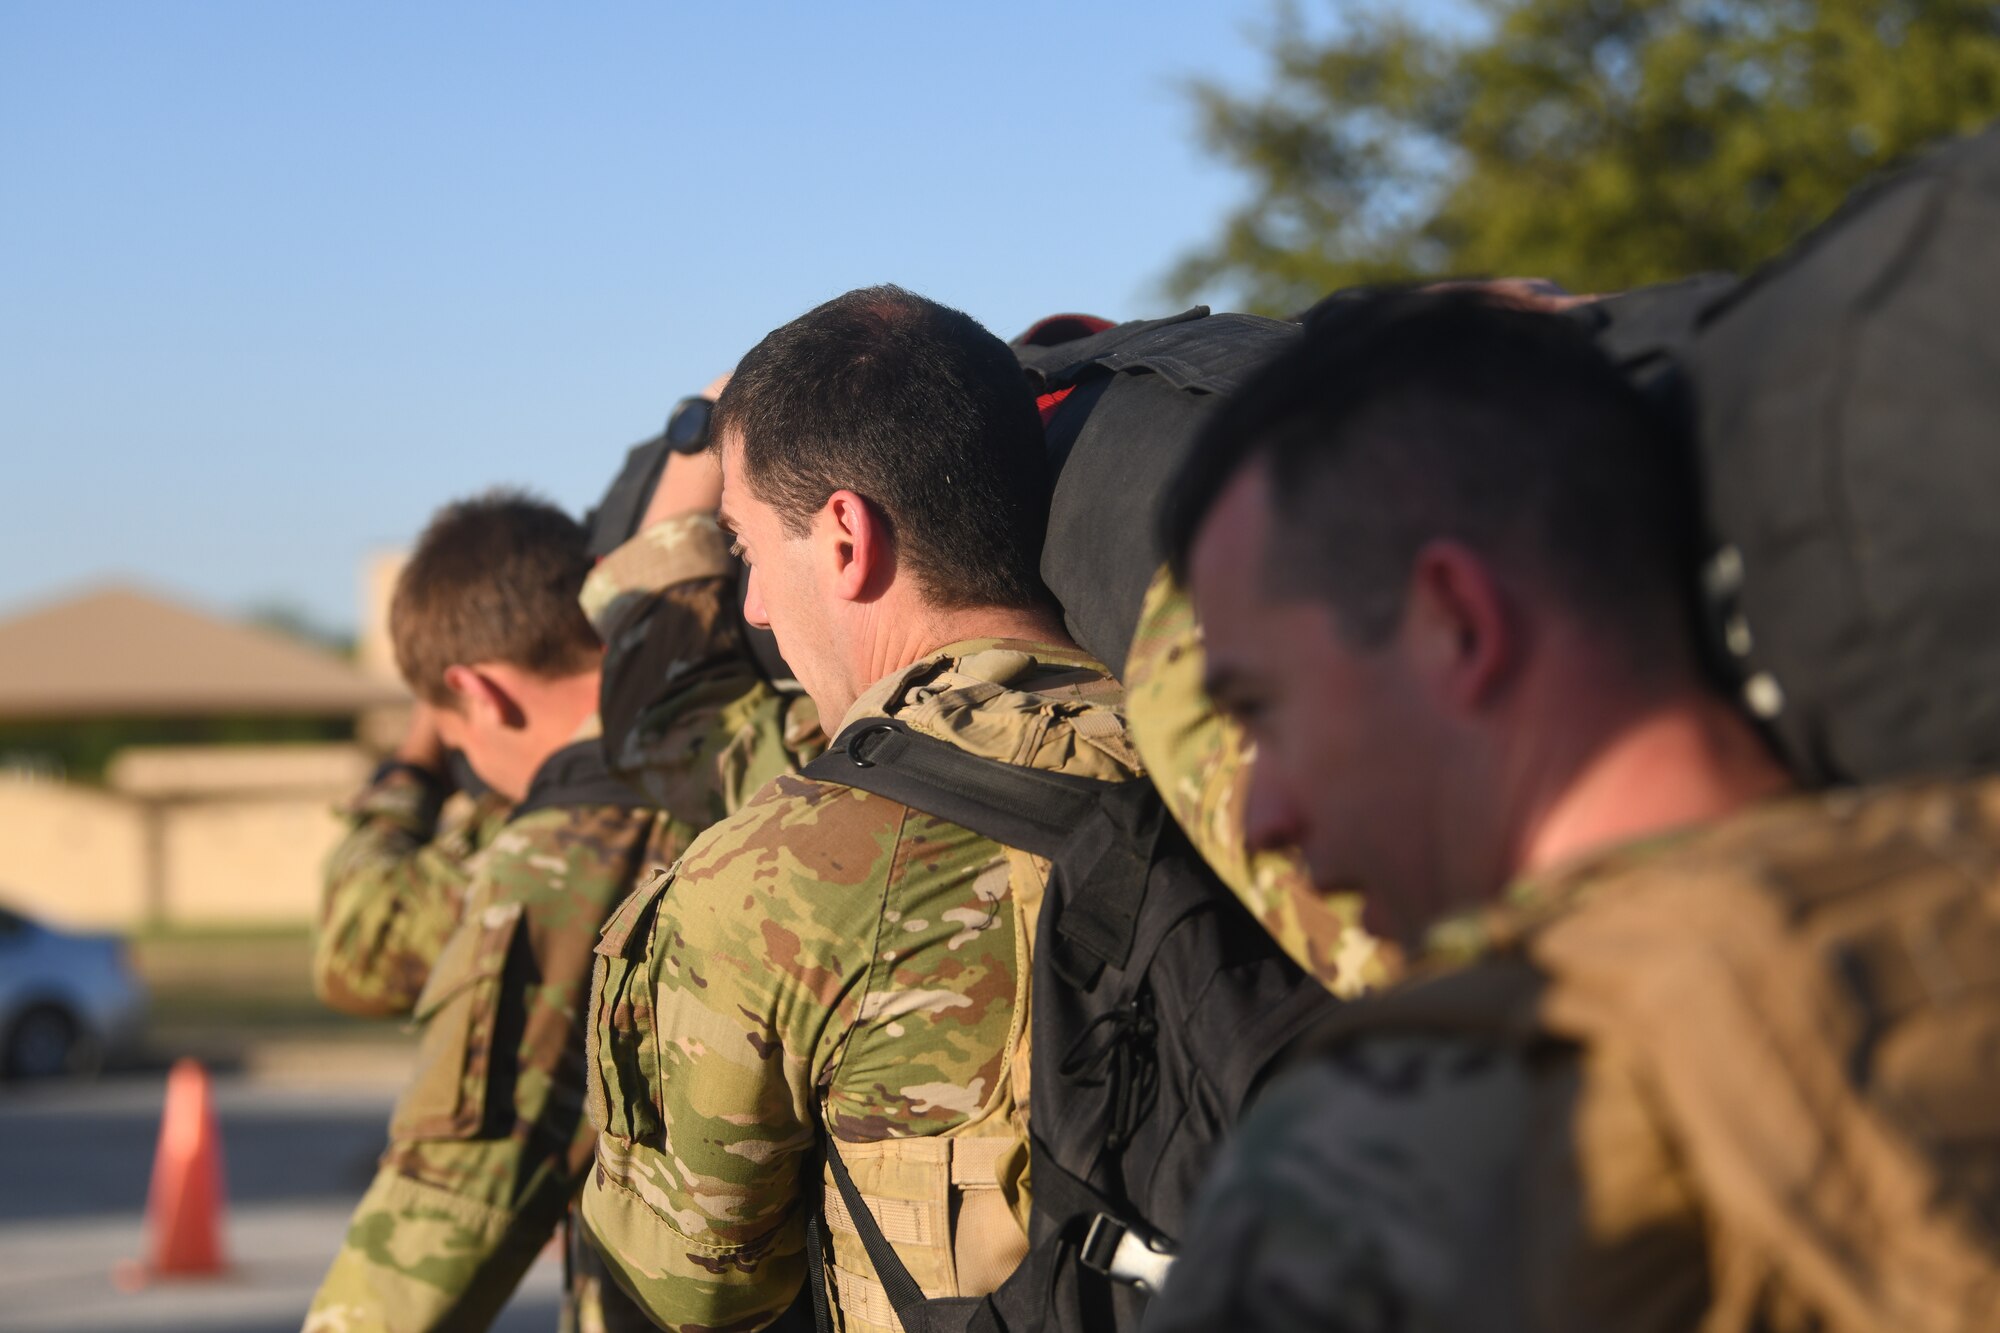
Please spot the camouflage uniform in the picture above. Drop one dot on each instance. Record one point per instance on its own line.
(393, 890)
(830, 961)
(488, 1144)
(1676, 1086)
(469, 1189)
(479, 1175)
(1196, 757)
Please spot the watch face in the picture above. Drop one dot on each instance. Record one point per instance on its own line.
(687, 425)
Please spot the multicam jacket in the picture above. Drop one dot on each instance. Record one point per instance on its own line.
(1196, 757)
(830, 961)
(488, 1143)
(393, 890)
(1738, 1079)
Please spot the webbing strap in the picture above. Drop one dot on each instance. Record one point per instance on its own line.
(578, 775)
(904, 1293)
(571, 1312)
(816, 1271)
(1012, 804)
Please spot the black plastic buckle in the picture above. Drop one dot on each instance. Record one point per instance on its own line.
(1100, 1243)
(1125, 1255)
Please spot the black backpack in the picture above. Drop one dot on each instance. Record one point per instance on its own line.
(1847, 405)
(1132, 398)
(1159, 1006)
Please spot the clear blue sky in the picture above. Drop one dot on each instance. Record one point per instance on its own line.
(276, 279)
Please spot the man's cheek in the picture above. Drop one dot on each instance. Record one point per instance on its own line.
(1279, 757)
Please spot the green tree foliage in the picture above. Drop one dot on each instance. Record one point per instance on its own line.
(1601, 143)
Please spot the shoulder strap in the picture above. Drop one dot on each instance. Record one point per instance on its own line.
(1009, 803)
(1142, 1261)
(902, 1289)
(578, 775)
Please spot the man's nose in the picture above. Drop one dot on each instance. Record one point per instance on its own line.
(1270, 818)
(753, 603)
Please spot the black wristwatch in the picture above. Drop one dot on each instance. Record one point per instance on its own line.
(687, 425)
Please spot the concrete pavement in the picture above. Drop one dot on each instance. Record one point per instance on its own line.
(299, 1138)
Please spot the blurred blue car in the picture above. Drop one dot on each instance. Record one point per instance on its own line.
(68, 1001)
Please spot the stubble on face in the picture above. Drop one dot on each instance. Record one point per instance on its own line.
(1335, 768)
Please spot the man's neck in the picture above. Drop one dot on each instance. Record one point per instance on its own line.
(896, 643)
(560, 708)
(1686, 759)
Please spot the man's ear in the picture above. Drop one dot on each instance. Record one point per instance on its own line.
(859, 545)
(1459, 625)
(483, 696)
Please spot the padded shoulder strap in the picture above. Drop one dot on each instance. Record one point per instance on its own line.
(1009, 803)
(578, 775)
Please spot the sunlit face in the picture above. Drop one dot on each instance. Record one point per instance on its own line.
(1340, 769)
(784, 592)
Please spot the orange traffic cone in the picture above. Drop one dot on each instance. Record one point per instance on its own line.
(184, 1206)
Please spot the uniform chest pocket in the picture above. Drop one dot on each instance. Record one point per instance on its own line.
(623, 1058)
(459, 1010)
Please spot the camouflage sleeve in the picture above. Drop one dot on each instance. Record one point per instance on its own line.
(1198, 759)
(488, 1143)
(1364, 1197)
(689, 717)
(391, 894)
(720, 1002)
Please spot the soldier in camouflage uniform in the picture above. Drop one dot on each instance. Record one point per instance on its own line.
(827, 961)
(395, 884)
(488, 1143)
(1716, 1061)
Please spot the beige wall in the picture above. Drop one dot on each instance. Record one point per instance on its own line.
(380, 728)
(213, 835)
(246, 860)
(374, 653)
(176, 772)
(70, 853)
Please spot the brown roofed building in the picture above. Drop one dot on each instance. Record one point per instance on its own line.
(232, 743)
(119, 652)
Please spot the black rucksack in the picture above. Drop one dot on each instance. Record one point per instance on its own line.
(1132, 398)
(1847, 403)
(1159, 1006)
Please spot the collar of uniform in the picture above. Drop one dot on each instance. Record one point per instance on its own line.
(577, 774)
(1532, 900)
(1535, 898)
(999, 661)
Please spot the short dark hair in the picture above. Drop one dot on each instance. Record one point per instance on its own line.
(493, 579)
(1403, 417)
(920, 411)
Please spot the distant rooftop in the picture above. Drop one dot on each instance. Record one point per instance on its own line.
(121, 652)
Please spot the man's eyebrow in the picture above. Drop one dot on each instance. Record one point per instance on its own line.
(723, 521)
